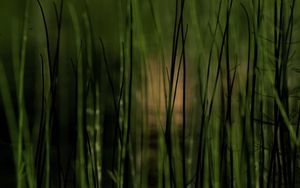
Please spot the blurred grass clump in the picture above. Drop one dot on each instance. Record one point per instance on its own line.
(130, 93)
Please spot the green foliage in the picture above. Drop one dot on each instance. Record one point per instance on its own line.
(150, 93)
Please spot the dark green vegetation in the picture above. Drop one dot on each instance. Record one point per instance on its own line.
(152, 93)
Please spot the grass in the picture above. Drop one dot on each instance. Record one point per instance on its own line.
(157, 94)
